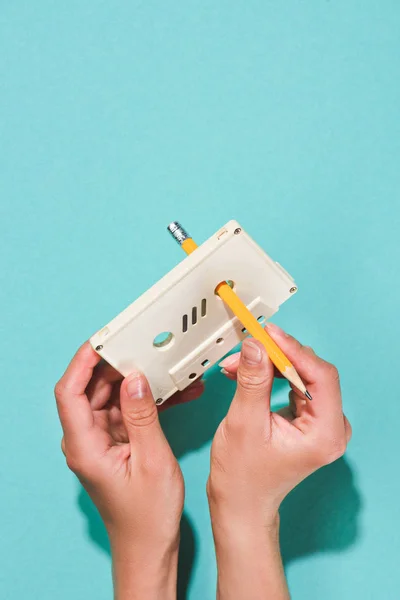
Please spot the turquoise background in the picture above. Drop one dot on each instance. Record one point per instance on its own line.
(118, 117)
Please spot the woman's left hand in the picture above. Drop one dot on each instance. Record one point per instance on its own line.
(114, 443)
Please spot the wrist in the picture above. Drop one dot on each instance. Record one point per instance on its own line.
(249, 561)
(243, 517)
(145, 571)
(242, 534)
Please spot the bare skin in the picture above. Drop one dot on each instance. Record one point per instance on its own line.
(258, 457)
(114, 443)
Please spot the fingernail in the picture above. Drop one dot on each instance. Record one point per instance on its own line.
(229, 361)
(224, 372)
(276, 329)
(251, 352)
(137, 386)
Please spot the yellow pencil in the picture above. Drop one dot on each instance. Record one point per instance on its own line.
(240, 310)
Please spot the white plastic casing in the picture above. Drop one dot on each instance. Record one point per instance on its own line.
(231, 254)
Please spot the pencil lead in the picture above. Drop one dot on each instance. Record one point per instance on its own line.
(308, 395)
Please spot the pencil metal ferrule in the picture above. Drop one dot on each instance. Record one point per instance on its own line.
(177, 232)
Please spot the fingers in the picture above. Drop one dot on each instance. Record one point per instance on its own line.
(255, 376)
(321, 377)
(72, 403)
(302, 357)
(101, 384)
(297, 403)
(139, 413)
(230, 364)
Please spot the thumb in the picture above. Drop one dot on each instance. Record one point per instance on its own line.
(139, 411)
(255, 376)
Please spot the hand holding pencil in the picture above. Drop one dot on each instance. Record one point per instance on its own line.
(258, 456)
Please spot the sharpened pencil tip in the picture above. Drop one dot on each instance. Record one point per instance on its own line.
(308, 395)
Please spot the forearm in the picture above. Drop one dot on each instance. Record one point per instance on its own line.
(249, 563)
(146, 576)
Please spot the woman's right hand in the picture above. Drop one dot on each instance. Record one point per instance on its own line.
(258, 456)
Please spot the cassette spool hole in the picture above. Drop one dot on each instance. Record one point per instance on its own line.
(163, 339)
(230, 282)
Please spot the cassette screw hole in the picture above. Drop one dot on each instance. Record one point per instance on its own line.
(293, 289)
(98, 348)
(237, 231)
(192, 376)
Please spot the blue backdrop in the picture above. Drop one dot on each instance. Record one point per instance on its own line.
(116, 118)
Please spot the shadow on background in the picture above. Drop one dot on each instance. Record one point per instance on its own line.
(320, 515)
